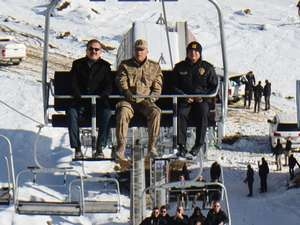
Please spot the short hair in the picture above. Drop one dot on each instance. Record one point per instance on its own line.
(163, 207)
(93, 41)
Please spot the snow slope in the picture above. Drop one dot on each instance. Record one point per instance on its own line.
(266, 42)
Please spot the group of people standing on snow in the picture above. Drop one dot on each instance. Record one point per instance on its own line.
(263, 167)
(256, 90)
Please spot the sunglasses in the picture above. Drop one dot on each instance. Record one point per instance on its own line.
(139, 49)
(93, 49)
(163, 211)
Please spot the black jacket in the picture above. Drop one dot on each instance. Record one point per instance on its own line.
(165, 220)
(258, 91)
(177, 221)
(288, 145)
(249, 82)
(250, 176)
(94, 80)
(152, 221)
(197, 78)
(267, 89)
(215, 172)
(216, 218)
(293, 162)
(263, 169)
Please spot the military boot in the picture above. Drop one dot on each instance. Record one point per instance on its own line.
(152, 151)
(120, 153)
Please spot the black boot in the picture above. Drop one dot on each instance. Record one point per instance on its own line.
(98, 154)
(195, 150)
(181, 151)
(78, 153)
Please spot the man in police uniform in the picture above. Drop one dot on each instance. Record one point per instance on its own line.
(142, 77)
(193, 76)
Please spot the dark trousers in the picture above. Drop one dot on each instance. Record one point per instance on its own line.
(257, 104)
(267, 102)
(248, 98)
(292, 173)
(263, 184)
(77, 113)
(250, 187)
(199, 112)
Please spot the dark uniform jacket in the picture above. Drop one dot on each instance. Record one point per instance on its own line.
(216, 218)
(197, 78)
(267, 89)
(94, 80)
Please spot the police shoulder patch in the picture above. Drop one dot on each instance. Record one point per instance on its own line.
(201, 71)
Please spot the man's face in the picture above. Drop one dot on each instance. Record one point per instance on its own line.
(193, 55)
(216, 207)
(140, 54)
(156, 212)
(93, 51)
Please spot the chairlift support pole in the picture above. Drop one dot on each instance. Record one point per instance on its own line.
(298, 101)
(45, 87)
(224, 58)
(167, 32)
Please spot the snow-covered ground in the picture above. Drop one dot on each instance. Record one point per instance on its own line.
(267, 42)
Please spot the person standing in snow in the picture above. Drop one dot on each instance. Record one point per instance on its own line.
(298, 5)
(258, 92)
(249, 180)
(91, 75)
(193, 76)
(278, 150)
(267, 94)
(263, 171)
(292, 164)
(287, 150)
(249, 81)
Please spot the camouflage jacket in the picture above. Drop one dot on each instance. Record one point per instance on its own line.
(141, 79)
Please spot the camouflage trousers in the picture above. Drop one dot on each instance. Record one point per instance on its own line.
(125, 112)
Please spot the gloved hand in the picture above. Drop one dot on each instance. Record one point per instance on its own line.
(128, 95)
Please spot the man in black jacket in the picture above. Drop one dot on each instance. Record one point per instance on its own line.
(249, 180)
(249, 81)
(267, 94)
(258, 92)
(193, 76)
(216, 215)
(91, 75)
(154, 219)
(263, 171)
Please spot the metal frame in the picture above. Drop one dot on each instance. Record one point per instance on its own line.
(91, 206)
(66, 208)
(10, 170)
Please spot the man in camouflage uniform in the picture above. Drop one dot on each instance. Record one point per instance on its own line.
(140, 81)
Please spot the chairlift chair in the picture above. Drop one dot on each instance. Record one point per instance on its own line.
(97, 188)
(33, 206)
(7, 189)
